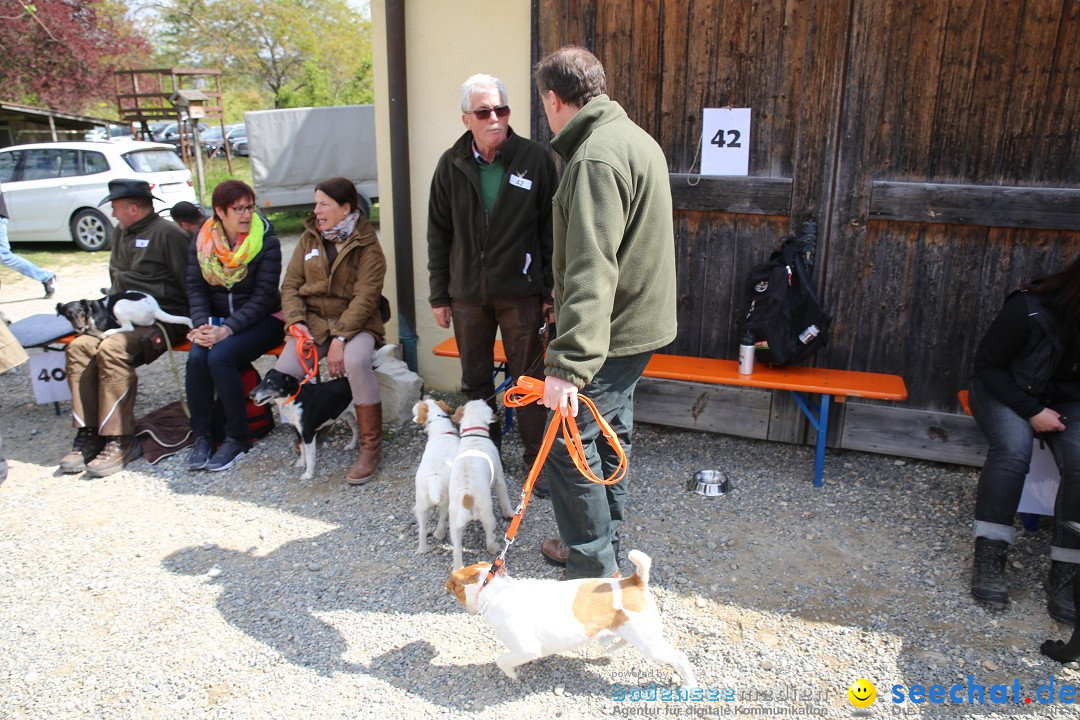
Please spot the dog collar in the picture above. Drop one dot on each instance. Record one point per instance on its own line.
(450, 432)
(478, 428)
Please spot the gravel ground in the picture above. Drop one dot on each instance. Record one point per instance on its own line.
(156, 593)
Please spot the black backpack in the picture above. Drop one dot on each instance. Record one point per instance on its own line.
(782, 312)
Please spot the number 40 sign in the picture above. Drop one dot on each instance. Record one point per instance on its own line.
(725, 141)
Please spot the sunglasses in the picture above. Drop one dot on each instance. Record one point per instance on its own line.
(484, 113)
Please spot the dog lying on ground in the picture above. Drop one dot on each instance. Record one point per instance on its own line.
(537, 618)
(1065, 652)
(316, 406)
(433, 475)
(477, 468)
(119, 312)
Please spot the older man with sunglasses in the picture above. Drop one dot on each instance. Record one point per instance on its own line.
(489, 249)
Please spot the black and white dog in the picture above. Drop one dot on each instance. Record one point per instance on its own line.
(112, 314)
(315, 407)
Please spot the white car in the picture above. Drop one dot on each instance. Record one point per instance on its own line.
(52, 190)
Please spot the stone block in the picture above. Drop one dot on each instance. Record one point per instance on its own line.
(399, 387)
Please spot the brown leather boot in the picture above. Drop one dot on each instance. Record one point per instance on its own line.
(369, 417)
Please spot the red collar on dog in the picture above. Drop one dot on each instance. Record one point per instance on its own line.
(478, 428)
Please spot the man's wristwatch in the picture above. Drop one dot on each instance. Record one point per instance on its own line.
(341, 338)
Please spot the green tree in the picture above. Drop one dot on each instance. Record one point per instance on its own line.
(303, 52)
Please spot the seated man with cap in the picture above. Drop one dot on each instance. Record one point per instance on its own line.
(188, 216)
(149, 254)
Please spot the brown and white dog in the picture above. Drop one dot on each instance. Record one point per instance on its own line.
(433, 474)
(476, 470)
(537, 618)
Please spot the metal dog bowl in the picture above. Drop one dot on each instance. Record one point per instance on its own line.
(710, 483)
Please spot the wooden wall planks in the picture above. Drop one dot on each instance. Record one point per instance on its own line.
(936, 141)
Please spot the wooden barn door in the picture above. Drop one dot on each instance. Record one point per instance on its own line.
(935, 143)
(957, 180)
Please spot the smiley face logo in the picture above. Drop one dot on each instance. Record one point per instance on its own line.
(862, 693)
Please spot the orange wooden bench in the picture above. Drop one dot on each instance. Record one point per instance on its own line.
(799, 381)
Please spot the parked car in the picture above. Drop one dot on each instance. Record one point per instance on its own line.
(53, 190)
(157, 129)
(239, 144)
(212, 140)
(115, 132)
(171, 133)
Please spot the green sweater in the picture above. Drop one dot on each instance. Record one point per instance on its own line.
(614, 244)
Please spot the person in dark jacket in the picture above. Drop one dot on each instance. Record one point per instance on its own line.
(1026, 385)
(232, 282)
(149, 254)
(489, 249)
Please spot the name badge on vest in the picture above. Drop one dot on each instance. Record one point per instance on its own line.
(314, 252)
(142, 242)
(520, 181)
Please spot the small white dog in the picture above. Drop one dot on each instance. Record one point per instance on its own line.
(476, 470)
(537, 618)
(433, 475)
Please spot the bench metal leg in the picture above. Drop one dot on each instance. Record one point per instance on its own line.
(820, 422)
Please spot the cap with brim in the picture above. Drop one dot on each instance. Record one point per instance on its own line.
(126, 189)
(187, 212)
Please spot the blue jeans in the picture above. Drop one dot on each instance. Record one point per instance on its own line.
(1001, 480)
(13, 261)
(218, 368)
(589, 514)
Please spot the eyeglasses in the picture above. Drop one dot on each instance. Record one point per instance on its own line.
(243, 209)
(484, 113)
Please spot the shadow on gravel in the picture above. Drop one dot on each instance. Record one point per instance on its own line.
(474, 687)
(275, 599)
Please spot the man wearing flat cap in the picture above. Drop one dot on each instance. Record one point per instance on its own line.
(149, 254)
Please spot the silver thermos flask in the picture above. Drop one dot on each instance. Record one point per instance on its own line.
(746, 355)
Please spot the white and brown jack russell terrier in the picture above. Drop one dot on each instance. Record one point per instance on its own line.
(537, 618)
(433, 474)
(476, 470)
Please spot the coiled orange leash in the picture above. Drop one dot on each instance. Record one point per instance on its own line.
(305, 349)
(529, 390)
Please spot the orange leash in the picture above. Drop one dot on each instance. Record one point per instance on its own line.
(529, 390)
(302, 354)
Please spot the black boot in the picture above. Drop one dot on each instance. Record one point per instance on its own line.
(1059, 592)
(988, 577)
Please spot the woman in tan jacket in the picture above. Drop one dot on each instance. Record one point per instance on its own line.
(330, 295)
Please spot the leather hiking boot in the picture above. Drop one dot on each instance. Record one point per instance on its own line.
(555, 551)
(118, 452)
(1059, 592)
(86, 447)
(988, 575)
(369, 417)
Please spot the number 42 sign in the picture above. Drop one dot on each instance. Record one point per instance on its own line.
(725, 141)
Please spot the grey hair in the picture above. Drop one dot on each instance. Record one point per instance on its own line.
(480, 81)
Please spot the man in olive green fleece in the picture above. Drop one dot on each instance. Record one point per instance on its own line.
(614, 263)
